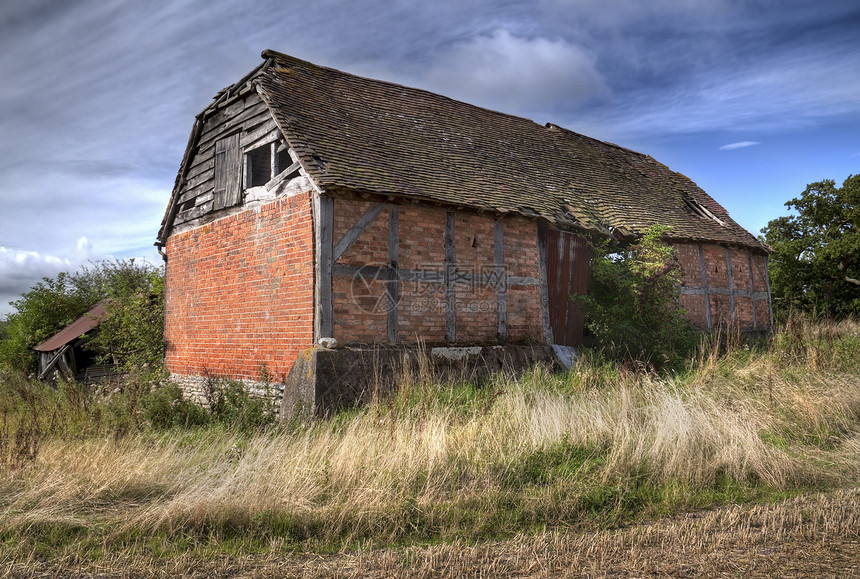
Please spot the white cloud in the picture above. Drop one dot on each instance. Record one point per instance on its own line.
(515, 74)
(20, 269)
(83, 245)
(739, 145)
(19, 259)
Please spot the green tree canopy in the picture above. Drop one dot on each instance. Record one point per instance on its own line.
(130, 336)
(816, 260)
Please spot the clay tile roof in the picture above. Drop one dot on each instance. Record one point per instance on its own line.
(358, 134)
(76, 329)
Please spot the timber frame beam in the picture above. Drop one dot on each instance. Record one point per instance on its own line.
(447, 275)
(732, 292)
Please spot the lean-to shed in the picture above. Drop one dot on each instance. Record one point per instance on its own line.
(312, 204)
(64, 354)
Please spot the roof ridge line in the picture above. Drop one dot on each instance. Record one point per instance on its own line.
(551, 126)
(268, 53)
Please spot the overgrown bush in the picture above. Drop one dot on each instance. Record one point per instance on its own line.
(131, 336)
(632, 307)
(231, 404)
(166, 407)
(33, 411)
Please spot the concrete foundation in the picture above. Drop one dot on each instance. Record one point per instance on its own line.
(324, 380)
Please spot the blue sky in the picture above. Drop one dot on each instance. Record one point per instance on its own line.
(750, 99)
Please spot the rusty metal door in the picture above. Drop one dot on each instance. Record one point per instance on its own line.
(567, 261)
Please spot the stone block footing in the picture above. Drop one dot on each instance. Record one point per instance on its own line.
(323, 380)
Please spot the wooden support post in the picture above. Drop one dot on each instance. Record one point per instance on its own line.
(392, 284)
(705, 291)
(752, 289)
(325, 228)
(273, 159)
(731, 284)
(501, 281)
(769, 296)
(53, 361)
(450, 280)
(544, 290)
(562, 271)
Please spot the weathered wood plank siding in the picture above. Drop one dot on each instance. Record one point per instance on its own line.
(238, 127)
(567, 263)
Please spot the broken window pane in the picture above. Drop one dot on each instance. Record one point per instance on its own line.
(284, 159)
(259, 166)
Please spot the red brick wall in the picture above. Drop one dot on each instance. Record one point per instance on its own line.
(525, 319)
(360, 307)
(740, 298)
(421, 310)
(477, 308)
(240, 292)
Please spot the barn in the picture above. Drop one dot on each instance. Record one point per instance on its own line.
(314, 204)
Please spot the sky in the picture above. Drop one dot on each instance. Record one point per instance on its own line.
(751, 99)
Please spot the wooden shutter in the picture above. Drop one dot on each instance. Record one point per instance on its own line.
(228, 174)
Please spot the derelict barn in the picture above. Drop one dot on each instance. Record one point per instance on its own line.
(313, 204)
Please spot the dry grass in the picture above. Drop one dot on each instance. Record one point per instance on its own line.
(543, 455)
(811, 536)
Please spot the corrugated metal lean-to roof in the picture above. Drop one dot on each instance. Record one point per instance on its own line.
(76, 329)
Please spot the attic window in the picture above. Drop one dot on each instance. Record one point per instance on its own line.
(258, 165)
(701, 210)
(263, 163)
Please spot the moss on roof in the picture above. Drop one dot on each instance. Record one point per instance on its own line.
(364, 135)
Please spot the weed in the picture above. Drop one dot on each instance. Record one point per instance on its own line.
(603, 446)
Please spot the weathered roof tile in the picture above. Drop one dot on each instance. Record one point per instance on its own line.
(358, 134)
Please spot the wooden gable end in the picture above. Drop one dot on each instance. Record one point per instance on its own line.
(214, 179)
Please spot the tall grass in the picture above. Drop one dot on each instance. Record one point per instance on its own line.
(593, 448)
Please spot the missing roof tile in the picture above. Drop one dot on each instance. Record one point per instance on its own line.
(701, 210)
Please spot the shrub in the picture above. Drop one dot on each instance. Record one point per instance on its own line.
(232, 405)
(130, 337)
(632, 307)
(165, 407)
(132, 334)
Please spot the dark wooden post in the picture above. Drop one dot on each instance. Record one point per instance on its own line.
(392, 285)
(450, 279)
(501, 281)
(544, 290)
(325, 323)
(731, 284)
(705, 291)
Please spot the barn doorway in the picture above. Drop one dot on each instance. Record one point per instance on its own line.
(567, 261)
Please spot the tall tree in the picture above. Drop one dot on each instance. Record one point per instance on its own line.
(816, 261)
